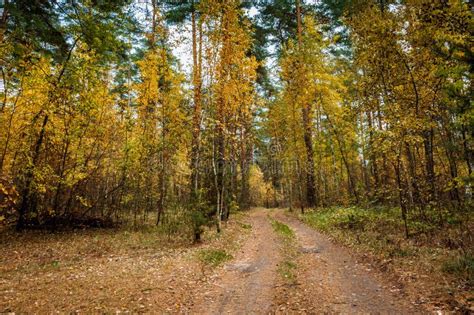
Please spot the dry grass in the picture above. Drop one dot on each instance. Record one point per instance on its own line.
(105, 270)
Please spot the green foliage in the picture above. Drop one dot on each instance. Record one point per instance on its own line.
(51, 28)
(246, 226)
(277, 20)
(379, 231)
(345, 218)
(199, 212)
(375, 219)
(176, 222)
(199, 220)
(283, 229)
(214, 257)
(233, 206)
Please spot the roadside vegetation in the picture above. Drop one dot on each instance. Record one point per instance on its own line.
(214, 257)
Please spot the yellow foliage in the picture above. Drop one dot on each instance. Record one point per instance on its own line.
(261, 191)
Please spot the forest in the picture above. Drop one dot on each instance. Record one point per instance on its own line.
(183, 117)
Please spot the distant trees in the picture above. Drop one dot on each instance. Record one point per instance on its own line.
(229, 102)
(305, 123)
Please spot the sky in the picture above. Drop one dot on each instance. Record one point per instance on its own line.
(181, 42)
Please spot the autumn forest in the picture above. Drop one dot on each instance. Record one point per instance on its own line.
(184, 119)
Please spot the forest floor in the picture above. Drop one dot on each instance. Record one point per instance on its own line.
(265, 261)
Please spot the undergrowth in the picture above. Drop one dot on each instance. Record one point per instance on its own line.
(461, 266)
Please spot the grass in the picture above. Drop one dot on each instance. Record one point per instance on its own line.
(381, 230)
(288, 266)
(286, 269)
(214, 257)
(283, 229)
(245, 226)
(462, 267)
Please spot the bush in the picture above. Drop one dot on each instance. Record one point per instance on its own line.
(8, 201)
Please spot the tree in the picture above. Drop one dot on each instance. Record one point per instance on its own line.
(232, 94)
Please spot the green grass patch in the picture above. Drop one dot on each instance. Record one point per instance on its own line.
(246, 226)
(286, 270)
(283, 229)
(288, 266)
(214, 257)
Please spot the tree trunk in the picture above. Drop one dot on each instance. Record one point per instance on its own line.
(308, 141)
(220, 159)
(429, 162)
(307, 128)
(401, 199)
(196, 131)
(413, 179)
(244, 169)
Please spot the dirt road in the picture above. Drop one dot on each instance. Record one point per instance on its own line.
(245, 285)
(331, 280)
(328, 279)
(105, 271)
